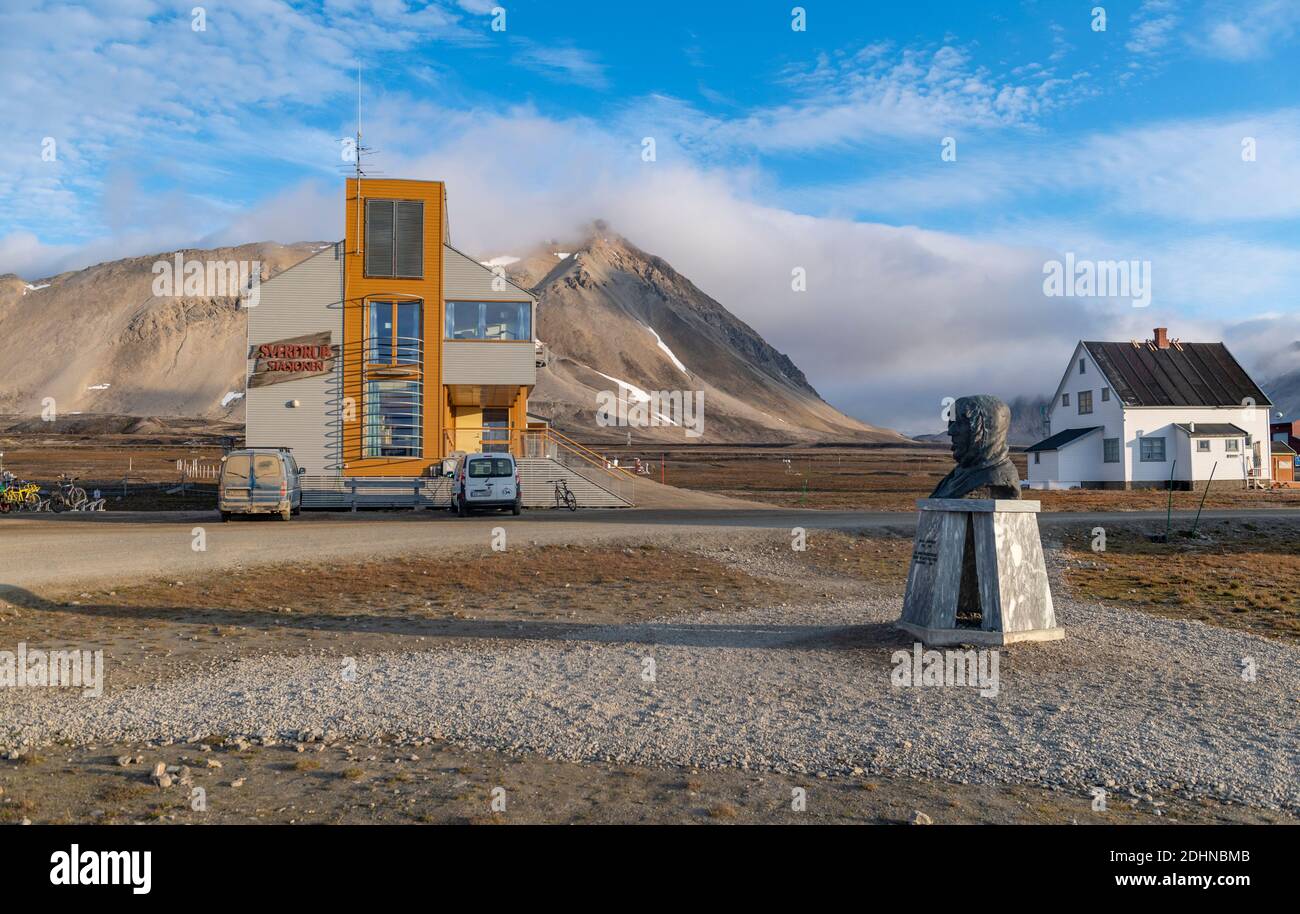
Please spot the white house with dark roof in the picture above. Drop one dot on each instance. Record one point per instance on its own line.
(1141, 413)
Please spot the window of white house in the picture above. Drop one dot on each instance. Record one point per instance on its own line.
(1152, 450)
(1082, 367)
(1203, 445)
(1105, 394)
(1232, 445)
(1110, 450)
(1065, 399)
(1085, 402)
(1038, 457)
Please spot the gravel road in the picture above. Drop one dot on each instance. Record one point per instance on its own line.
(1128, 701)
(65, 550)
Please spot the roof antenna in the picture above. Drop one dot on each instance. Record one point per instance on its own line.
(358, 151)
(356, 156)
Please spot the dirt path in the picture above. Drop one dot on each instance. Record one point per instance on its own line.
(63, 550)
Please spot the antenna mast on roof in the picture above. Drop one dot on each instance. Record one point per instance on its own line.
(357, 156)
(358, 153)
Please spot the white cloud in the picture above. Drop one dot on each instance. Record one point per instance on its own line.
(1181, 171)
(1249, 31)
(566, 64)
(870, 96)
(1153, 25)
(113, 83)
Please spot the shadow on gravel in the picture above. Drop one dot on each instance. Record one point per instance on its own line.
(785, 637)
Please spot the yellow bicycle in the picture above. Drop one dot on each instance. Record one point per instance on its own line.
(25, 496)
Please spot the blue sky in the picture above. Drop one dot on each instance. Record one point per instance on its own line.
(775, 149)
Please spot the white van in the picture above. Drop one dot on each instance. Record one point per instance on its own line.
(260, 480)
(485, 481)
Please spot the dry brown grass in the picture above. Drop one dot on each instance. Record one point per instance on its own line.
(892, 479)
(594, 584)
(1241, 576)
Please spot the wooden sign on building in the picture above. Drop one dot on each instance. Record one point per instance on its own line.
(291, 359)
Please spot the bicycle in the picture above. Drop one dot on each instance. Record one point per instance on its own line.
(563, 497)
(69, 497)
(24, 496)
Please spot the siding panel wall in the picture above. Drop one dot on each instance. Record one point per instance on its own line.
(496, 363)
(306, 298)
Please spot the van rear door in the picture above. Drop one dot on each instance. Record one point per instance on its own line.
(269, 484)
(236, 481)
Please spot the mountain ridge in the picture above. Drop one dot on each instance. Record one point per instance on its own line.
(98, 340)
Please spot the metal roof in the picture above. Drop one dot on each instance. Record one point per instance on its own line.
(1061, 439)
(1185, 374)
(1280, 447)
(1211, 429)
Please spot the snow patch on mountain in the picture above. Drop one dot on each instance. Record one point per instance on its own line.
(664, 346)
(635, 393)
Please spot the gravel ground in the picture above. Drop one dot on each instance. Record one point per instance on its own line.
(1128, 701)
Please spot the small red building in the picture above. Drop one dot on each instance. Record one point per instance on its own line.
(1284, 460)
(1287, 432)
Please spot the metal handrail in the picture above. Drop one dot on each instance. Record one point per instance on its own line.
(593, 457)
(581, 460)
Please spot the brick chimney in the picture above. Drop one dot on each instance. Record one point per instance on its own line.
(1161, 337)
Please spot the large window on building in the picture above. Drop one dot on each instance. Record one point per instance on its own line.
(392, 393)
(393, 419)
(393, 334)
(394, 241)
(489, 320)
(1152, 449)
(1085, 402)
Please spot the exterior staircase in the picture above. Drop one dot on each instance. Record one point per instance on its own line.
(588, 486)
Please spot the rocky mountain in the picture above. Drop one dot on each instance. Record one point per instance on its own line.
(99, 341)
(614, 318)
(618, 319)
(1283, 385)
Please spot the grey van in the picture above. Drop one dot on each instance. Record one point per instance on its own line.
(259, 480)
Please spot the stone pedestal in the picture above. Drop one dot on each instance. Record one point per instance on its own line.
(977, 574)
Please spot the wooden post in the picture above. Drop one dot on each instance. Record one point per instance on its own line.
(663, 469)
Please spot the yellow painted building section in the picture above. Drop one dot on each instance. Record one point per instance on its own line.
(453, 418)
(359, 288)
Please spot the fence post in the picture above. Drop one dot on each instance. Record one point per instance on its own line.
(354, 495)
(415, 496)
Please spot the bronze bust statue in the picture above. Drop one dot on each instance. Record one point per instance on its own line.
(978, 428)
